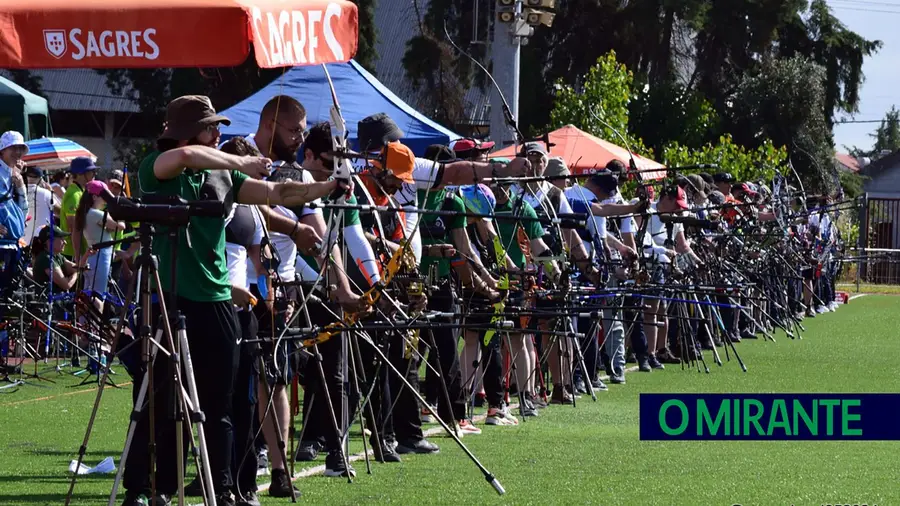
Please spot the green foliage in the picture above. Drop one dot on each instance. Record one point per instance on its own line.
(669, 112)
(599, 105)
(366, 53)
(852, 183)
(784, 102)
(743, 163)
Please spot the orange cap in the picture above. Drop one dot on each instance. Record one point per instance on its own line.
(398, 159)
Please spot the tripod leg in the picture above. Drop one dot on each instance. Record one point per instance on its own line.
(487, 475)
(279, 440)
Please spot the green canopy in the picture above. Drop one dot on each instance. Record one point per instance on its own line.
(18, 106)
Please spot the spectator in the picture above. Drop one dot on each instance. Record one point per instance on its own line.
(83, 170)
(41, 204)
(13, 201)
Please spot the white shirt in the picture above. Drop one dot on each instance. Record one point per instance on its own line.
(94, 231)
(240, 269)
(596, 225)
(40, 207)
(656, 235)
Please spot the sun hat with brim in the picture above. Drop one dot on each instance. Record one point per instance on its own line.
(399, 160)
(188, 116)
(34, 172)
(44, 234)
(375, 131)
(81, 165)
(12, 138)
(116, 176)
(479, 199)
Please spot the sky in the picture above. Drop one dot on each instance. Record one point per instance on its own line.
(874, 20)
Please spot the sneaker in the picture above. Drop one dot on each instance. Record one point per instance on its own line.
(666, 357)
(535, 401)
(810, 312)
(307, 451)
(500, 416)
(425, 415)
(617, 379)
(385, 452)
(832, 307)
(142, 499)
(599, 385)
(421, 446)
(469, 428)
(480, 400)
(655, 363)
(335, 467)
(746, 334)
(526, 411)
(821, 309)
(250, 499)
(262, 462)
(226, 499)
(580, 387)
(281, 484)
(644, 364)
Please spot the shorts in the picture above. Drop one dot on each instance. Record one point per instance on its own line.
(808, 274)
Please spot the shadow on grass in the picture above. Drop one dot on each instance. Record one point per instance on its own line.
(73, 453)
(51, 498)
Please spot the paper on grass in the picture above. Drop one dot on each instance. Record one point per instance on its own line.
(105, 466)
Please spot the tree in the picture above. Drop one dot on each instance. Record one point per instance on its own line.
(667, 112)
(887, 136)
(744, 164)
(599, 105)
(783, 102)
(366, 54)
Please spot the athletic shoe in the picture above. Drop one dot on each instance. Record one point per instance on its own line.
(599, 385)
(617, 379)
(250, 499)
(307, 451)
(746, 334)
(534, 402)
(281, 484)
(386, 452)
(335, 467)
(194, 488)
(421, 446)
(526, 411)
(820, 309)
(467, 427)
(425, 415)
(580, 387)
(644, 364)
(226, 499)
(833, 306)
(666, 357)
(560, 396)
(655, 363)
(262, 462)
(500, 416)
(141, 499)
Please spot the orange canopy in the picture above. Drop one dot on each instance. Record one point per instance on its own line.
(175, 33)
(583, 152)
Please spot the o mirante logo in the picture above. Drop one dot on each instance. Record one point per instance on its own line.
(769, 416)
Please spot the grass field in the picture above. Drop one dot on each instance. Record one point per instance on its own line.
(590, 454)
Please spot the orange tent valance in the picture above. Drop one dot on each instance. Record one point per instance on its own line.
(583, 152)
(175, 33)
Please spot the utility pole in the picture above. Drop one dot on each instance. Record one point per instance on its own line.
(516, 22)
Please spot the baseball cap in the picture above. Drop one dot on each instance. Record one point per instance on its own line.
(723, 177)
(556, 166)
(12, 138)
(479, 199)
(377, 130)
(81, 165)
(399, 160)
(440, 153)
(469, 144)
(606, 180)
(34, 172)
(748, 188)
(189, 115)
(116, 176)
(676, 193)
(44, 234)
(533, 147)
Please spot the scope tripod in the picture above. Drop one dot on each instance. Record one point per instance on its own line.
(175, 347)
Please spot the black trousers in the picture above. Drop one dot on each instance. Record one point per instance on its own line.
(443, 357)
(212, 331)
(405, 414)
(590, 350)
(635, 319)
(243, 464)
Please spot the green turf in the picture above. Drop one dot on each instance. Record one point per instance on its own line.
(589, 454)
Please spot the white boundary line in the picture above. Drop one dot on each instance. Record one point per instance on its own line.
(312, 471)
(858, 296)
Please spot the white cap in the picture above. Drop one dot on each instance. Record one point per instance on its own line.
(12, 138)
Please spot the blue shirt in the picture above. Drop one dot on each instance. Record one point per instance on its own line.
(12, 211)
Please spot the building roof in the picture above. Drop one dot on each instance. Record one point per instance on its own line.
(80, 90)
(849, 162)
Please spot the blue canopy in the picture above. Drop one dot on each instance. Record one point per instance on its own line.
(359, 95)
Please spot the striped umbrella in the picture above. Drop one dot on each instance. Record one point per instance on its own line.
(53, 153)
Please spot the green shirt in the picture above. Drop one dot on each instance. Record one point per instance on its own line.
(437, 201)
(201, 272)
(508, 228)
(42, 265)
(68, 208)
(351, 217)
